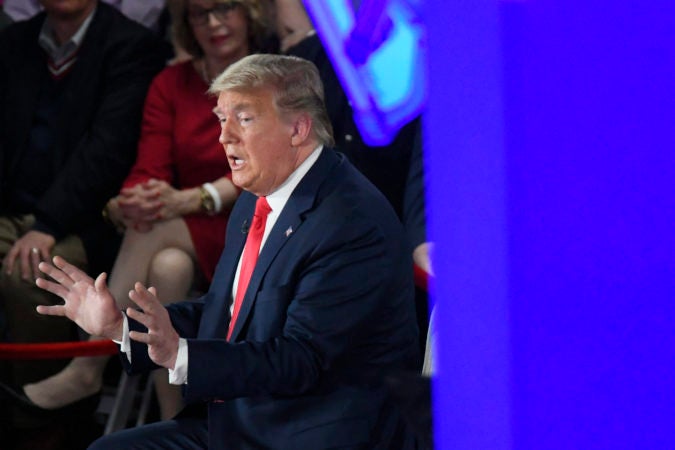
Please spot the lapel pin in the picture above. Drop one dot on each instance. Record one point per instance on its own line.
(289, 231)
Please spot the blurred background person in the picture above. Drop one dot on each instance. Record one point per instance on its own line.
(174, 205)
(72, 84)
(395, 169)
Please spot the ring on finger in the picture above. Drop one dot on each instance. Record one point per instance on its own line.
(35, 251)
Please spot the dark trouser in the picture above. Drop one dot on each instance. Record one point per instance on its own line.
(179, 434)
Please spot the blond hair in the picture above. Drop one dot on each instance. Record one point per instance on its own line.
(296, 84)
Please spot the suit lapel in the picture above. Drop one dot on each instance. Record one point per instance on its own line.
(303, 198)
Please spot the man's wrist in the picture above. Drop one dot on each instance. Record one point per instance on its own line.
(116, 332)
(178, 375)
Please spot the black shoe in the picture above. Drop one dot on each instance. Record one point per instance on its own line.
(19, 399)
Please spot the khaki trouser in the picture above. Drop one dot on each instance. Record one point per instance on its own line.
(18, 299)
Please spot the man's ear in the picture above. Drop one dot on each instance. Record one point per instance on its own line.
(302, 126)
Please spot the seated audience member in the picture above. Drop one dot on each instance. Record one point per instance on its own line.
(292, 23)
(72, 84)
(175, 202)
(145, 12)
(396, 169)
(385, 166)
(311, 304)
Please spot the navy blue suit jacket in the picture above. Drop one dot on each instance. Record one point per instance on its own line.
(328, 311)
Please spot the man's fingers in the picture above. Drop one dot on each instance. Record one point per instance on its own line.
(145, 338)
(73, 272)
(141, 317)
(56, 310)
(140, 337)
(136, 315)
(55, 288)
(99, 283)
(143, 298)
(56, 274)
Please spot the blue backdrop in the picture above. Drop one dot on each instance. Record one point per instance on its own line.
(549, 139)
(550, 135)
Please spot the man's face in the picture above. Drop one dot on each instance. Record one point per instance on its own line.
(257, 141)
(67, 8)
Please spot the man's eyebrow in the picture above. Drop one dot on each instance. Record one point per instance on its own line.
(242, 107)
(235, 109)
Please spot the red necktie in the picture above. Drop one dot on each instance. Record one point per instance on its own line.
(250, 256)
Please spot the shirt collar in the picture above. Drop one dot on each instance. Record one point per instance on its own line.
(277, 199)
(59, 53)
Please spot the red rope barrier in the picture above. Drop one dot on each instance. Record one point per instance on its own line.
(63, 350)
(57, 350)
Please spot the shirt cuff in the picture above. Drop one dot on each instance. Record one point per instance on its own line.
(125, 343)
(179, 373)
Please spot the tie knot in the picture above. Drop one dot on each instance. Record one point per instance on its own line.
(262, 208)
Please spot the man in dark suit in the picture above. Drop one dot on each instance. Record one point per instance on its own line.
(289, 351)
(73, 81)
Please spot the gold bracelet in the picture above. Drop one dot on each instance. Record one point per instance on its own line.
(207, 203)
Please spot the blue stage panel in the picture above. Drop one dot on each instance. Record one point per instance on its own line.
(551, 132)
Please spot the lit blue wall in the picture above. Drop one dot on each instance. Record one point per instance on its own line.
(551, 138)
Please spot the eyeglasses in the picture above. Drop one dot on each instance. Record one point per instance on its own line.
(200, 16)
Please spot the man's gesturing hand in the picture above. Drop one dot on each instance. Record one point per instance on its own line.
(161, 338)
(88, 302)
